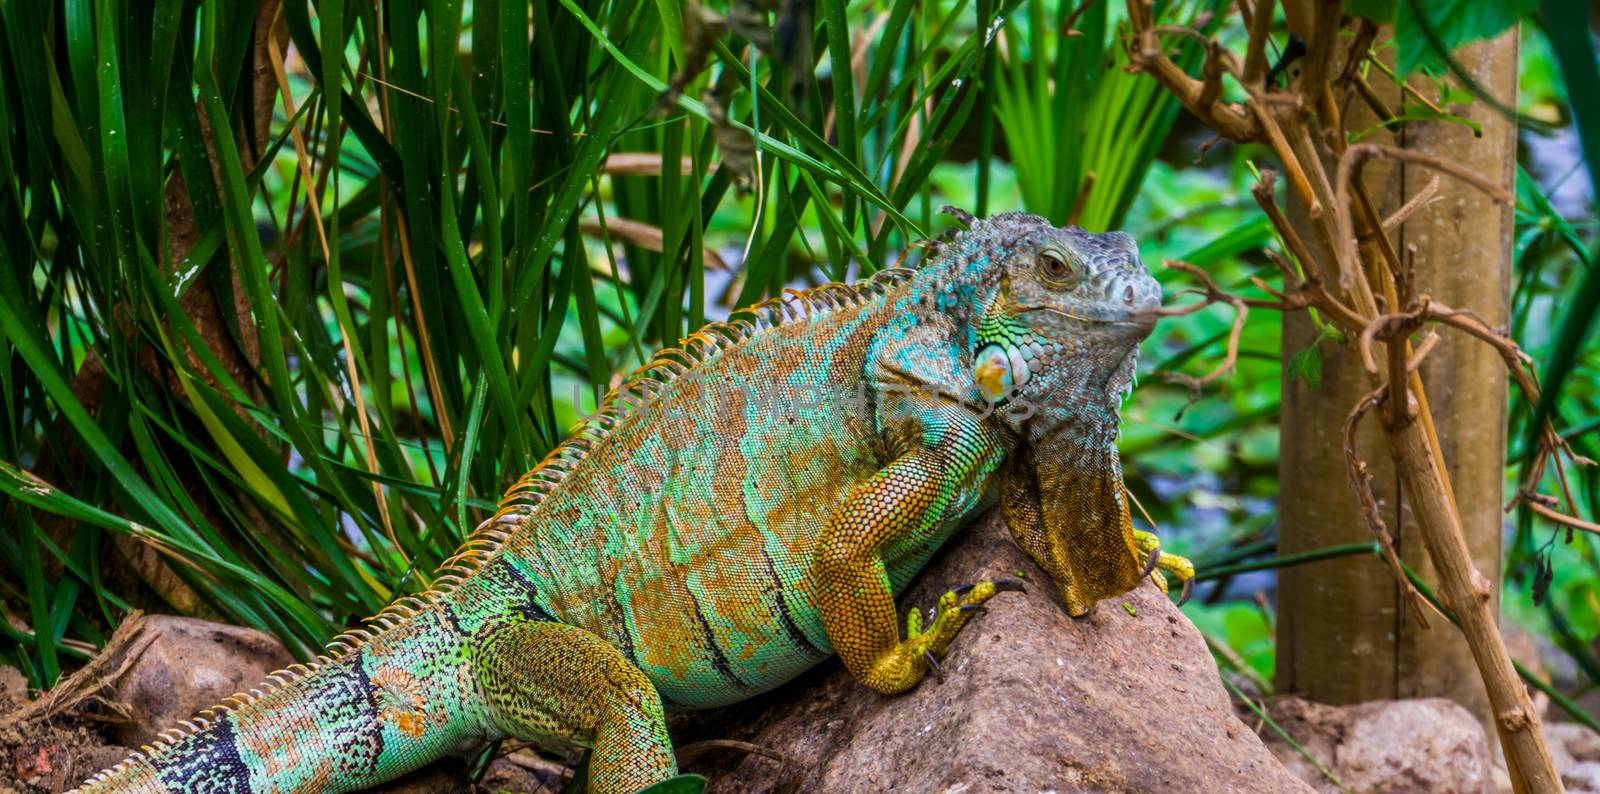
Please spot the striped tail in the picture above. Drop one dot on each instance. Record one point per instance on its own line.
(379, 706)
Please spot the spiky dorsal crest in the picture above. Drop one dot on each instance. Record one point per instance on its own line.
(516, 507)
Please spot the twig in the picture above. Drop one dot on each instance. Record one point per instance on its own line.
(1366, 32)
(1255, 52)
(1302, 126)
(1350, 165)
(1291, 163)
(1361, 482)
(1369, 96)
(1071, 21)
(1144, 54)
(645, 236)
(1213, 294)
(1425, 195)
(124, 647)
(1560, 517)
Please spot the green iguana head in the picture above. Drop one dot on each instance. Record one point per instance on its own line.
(1058, 315)
(1055, 318)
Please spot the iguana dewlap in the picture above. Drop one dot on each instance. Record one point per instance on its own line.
(743, 507)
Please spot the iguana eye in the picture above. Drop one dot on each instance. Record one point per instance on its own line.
(1056, 269)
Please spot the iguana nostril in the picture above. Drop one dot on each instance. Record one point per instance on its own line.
(1127, 294)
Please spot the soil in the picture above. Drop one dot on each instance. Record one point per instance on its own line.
(50, 753)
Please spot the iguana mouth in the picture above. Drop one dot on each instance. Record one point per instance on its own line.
(1144, 319)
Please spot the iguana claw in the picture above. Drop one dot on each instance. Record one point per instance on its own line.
(1150, 564)
(1000, 586)
(927, 640)
(1160, 562)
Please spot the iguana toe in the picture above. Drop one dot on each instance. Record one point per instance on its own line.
(1160, 562)
(1179, 568)
(933, 664)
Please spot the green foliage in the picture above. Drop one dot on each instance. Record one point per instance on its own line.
(1306, 365)
(1085, 129)
(1423, 29)
(411, 296)
(1379, 11)
(1245, 628)
(1576, 53)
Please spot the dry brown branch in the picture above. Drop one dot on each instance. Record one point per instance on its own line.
(1465, 320)
(1360, 45)
(1213, 295)
(1302, 290)
(1265, 193)
(1069, 25)
(1425, 195)
(1350, 166)
(1291, 163)
(86, 683)
(1255, 53)
(644, 235)
(1429, 342)
(1211, 74)
(1145, 54)
(1361, 483)
(1320, 46)
(1559, 517)
(1517, 364)
(1373, 101)
(640, 164)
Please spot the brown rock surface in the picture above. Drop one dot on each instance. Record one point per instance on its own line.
(1031, 700)
(187, 665)
(1576, 751)
(1428, 744)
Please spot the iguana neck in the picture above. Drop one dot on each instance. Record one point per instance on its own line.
(1076, 403)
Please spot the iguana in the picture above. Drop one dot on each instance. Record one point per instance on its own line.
(743, 506)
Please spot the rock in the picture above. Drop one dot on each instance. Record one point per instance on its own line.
(1386, 746)
(1578, 741)
(1125, 699)
(1576, 752)
(182, 665)
(1582, 777)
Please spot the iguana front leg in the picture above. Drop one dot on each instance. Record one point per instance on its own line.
(902, 503)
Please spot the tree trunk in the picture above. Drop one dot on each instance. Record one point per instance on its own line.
(1342, 635)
